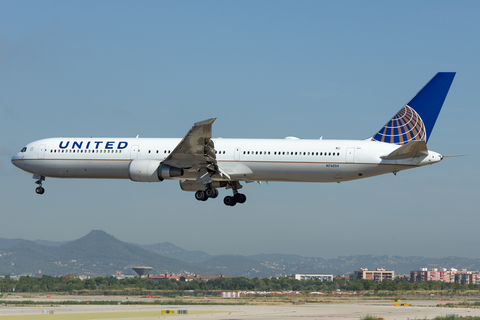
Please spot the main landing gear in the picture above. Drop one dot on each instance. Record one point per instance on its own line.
(237, 198)
(209, 192)
(40, 189)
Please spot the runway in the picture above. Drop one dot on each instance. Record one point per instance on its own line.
(347, 310)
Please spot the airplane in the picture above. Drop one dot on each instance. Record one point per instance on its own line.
(203, 164)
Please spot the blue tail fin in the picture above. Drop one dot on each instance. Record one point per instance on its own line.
(415, 121)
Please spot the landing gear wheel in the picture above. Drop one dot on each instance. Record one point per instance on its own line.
(216, 194)
(39, 190)
(211, 193)
(200, 195)
(240, 198)
(229, 201)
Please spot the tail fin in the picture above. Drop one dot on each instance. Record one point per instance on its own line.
(415, 121)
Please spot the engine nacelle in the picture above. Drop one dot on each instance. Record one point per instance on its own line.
(152, 171)
(167, 172)
(191, 185)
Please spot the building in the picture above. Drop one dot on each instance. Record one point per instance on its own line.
(441, 274)
(304, 276)
(379, 274)
(197, 276)
(451, 275)
(467, 277)
(168, 276)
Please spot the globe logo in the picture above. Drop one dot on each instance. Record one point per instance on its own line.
(405, 126)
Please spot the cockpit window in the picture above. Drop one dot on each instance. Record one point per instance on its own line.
(23, 149)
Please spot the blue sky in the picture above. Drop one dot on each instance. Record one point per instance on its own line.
(265, 69)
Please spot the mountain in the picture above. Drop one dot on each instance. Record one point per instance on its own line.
(289, 264)
(170, 250)
(235, 265)
(97, 253)
(7, 243)
(50, 243)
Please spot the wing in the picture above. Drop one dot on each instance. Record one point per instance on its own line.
(196, 151)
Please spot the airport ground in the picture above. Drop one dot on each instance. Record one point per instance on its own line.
(249, 308)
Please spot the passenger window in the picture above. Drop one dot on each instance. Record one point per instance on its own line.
(149, 151)
(329, 154)
(243, 152)
(283, 152)
(338, 153)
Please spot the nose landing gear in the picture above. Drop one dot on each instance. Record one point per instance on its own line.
(39, 189)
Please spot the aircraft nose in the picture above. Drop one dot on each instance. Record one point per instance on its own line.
(15, 159)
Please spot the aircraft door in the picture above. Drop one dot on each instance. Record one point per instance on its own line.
(236, 153)
(350, 156)
(41, 151)
(134, 152)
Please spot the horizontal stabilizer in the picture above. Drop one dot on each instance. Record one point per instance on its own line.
(410, 150)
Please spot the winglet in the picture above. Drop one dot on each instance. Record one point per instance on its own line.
(416, 120)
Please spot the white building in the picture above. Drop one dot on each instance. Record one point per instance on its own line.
(304, 276)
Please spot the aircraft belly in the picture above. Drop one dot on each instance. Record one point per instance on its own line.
(299, 172)
(87, 169)
(314, 172)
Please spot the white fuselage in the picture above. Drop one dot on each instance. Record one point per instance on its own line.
(298, 160)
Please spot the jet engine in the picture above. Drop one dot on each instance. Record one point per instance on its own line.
(152, 171)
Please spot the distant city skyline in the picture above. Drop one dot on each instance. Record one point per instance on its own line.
(309, 69)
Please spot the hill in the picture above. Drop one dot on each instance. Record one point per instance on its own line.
(97, 253)
(168, 249)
